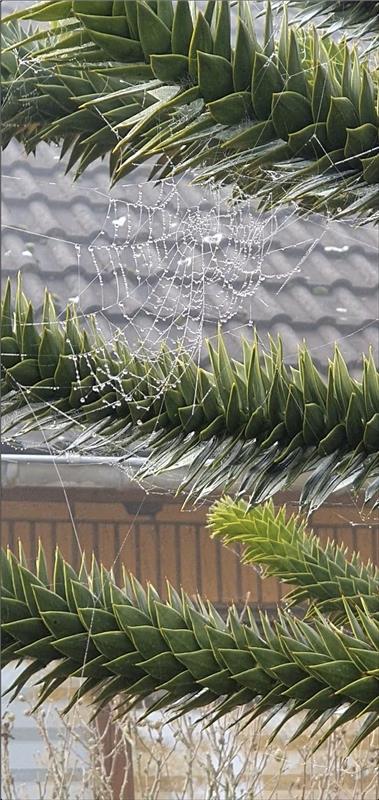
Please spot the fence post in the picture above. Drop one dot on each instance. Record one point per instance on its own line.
(118, 760)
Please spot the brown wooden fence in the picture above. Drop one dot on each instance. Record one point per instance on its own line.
(155, 539)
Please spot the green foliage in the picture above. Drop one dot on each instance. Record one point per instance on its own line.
(253, 425)
(291, 119)
(358, 19)
(322, 574)
(129, 643)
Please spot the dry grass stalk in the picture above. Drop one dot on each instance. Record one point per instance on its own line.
(186, 761)
(77, 764)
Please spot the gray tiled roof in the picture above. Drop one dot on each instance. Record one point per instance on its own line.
(319, 281)
(106, 249)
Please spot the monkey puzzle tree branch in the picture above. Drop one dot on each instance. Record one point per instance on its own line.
(253, 425)
(130, 644)
(292, 118)
(323, 574)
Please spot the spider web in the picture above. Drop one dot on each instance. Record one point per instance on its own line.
(173, 271)
(170, 263)
(166, 272)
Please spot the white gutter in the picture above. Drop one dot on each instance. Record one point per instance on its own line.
(88, 472)
(68, 458)
(78, 471)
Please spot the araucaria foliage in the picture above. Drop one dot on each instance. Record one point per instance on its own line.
(354, 19)
(322, 574)
(131, 643)
(251, 425)
(291, 118)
